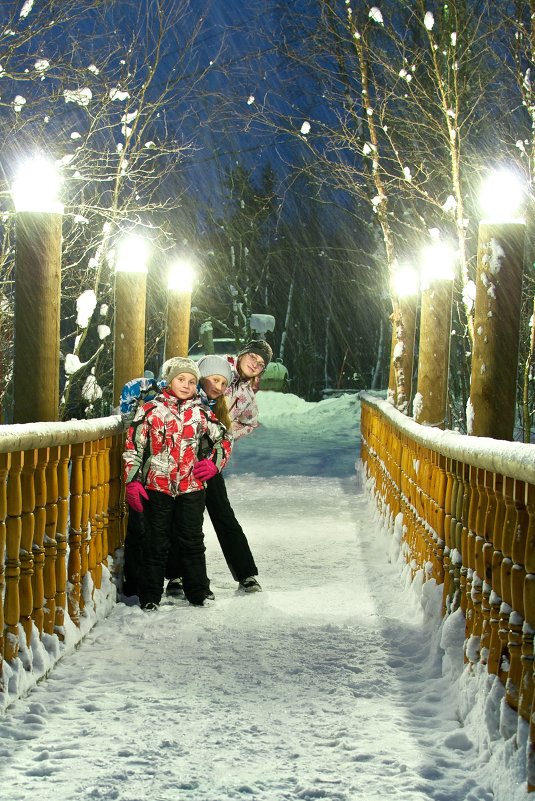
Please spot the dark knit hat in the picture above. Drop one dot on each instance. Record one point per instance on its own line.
(178, 364)
(215, 365)
(260, 347)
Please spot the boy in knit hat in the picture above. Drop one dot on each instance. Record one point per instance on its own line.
(164, 480)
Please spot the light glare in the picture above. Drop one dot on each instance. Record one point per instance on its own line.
(181, 276)
(502, 196)
(132, 255)
(37, 186)
(437, 264)
(405, 281)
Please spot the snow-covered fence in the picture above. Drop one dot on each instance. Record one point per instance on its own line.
(464, 510)
(60, 519)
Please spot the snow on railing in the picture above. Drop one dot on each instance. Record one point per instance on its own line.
(463, 511)
(61, 522)
(515, 459)
(26, 436)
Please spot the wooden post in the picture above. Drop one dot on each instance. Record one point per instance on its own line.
(492, 402)
(129, 342)
(434, 354)
(5, 463)
(178, 316)
(37, 317)
(402, 353)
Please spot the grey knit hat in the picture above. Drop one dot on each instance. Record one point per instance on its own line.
(259, 347)
(178, 364)
(215, 365)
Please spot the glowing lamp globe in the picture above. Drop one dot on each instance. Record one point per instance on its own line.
(405, 281)
(132, 255)
(181, 276)
(438, 262)
(502, 196)
(36, 187)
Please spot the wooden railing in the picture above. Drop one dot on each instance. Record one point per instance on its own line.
(60, 518)
(468, 507)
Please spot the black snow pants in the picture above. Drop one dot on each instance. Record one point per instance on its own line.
(173, 524)
(230, 534)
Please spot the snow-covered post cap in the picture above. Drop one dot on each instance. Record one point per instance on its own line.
(262, 323)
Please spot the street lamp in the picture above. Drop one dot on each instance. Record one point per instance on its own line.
(431, 399)
(500, 257)
(130, 303)
(37, 293)
(180, 284)
(405, 287)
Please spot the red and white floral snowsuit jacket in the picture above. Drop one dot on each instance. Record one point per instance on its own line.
(163, 440)
(241, 401)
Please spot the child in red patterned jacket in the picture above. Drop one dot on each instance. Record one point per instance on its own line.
(164, 480)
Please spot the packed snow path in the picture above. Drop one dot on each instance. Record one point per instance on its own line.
(321, 686)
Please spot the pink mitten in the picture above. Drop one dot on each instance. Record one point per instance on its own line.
(204, 470)
(135, 492)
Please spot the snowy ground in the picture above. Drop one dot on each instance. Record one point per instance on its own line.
(327, 684)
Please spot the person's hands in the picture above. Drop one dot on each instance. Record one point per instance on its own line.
(135, 492)
(204, 470)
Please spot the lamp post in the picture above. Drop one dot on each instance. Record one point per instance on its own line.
(405, 290)
(431, 400)
(130, 303)
(500, 255)
(37, 293)
(180, 284)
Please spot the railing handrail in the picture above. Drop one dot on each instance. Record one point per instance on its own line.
(514, 459)
(29, 436)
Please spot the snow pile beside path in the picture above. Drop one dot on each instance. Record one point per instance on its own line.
(283, 410)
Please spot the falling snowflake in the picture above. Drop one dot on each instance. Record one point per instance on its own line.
(250, 100)
(305, 128)
(429, 20)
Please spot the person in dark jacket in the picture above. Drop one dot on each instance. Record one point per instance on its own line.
(164, 480)
(233, 379)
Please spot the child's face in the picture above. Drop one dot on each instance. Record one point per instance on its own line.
(251, 365)
(214, 386)
(183, 386)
